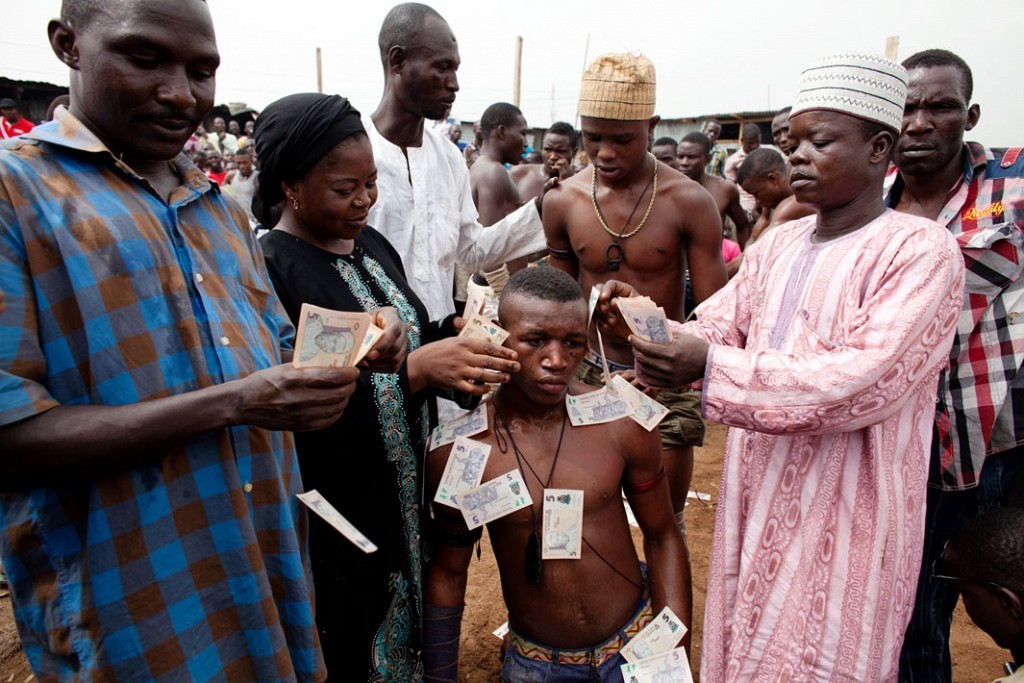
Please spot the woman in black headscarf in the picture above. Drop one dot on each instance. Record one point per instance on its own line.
(315, 157)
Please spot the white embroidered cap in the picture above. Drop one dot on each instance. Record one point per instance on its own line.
(856, 83)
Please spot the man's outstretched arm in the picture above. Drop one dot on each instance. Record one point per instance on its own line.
(86, 440)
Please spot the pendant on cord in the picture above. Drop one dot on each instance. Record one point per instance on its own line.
(613, 259)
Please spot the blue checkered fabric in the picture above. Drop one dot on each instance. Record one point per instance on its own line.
(191, 565)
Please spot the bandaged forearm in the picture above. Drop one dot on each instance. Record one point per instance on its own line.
(441, 629)
(497, 279)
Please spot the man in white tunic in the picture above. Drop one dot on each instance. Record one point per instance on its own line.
(425, 207)
(822, 356)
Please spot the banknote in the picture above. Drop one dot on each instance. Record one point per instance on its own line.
(646, 412)
(494, 499)
(596, 407)
(480, 300)
(645, 319)
(479, 327)
(463, 471)
(501, 631)
(467, 425)
(327, 338)
(318, 504)
(661, 635)
(373, 334)
(563, 524)
(669, 667)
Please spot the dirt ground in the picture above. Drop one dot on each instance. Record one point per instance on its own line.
(976, 659)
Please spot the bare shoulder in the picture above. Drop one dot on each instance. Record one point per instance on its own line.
(723, 185)
(789, 209)
(522, 171)
(568, 192)
(689, 199)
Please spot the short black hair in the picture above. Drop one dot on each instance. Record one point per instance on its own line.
(544, 283)
(936, 57)
(784, 110)
(80, 13)
(566, 129)
(707, 121)
(665, 140)
(752, 128)
(992, 547)
(498, 114)
(698, 138)
(402, 27)
(759, 162)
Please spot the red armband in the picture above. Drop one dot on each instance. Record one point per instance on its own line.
(644, 487)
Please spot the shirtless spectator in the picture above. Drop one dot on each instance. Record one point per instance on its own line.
(765, 175)
(560, 146)
(692, 157)
(633, 218)
(664, 150)
(568, 618)
(503, 136)
(750, 140)
(503, 139)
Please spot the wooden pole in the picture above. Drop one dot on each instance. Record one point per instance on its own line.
(516, 86)
(892, 47)
(319, 72)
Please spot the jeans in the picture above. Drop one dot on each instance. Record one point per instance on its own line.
(520, 669)
(925, 654)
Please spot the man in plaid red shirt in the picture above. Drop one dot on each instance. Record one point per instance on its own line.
(978, 194)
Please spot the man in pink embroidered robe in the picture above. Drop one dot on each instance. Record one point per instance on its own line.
(822, 355)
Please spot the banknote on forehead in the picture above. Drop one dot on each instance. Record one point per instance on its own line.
(479, 327)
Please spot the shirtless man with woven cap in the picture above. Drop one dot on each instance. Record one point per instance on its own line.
(632, 218)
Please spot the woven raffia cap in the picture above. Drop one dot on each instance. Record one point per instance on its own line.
(864, 85)
(618, 86)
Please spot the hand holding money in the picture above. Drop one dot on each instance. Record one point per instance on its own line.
(288, 398)
(681, 361)
(608, 316)
(387, 353)
(461, 363)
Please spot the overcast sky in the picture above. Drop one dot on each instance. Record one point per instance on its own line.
(711, 57)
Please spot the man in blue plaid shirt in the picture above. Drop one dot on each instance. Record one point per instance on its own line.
(148, 520)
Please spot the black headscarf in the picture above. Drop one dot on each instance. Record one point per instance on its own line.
(295, 132)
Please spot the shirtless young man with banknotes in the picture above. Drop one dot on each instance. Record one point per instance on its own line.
(635, 219)
(568, 617)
